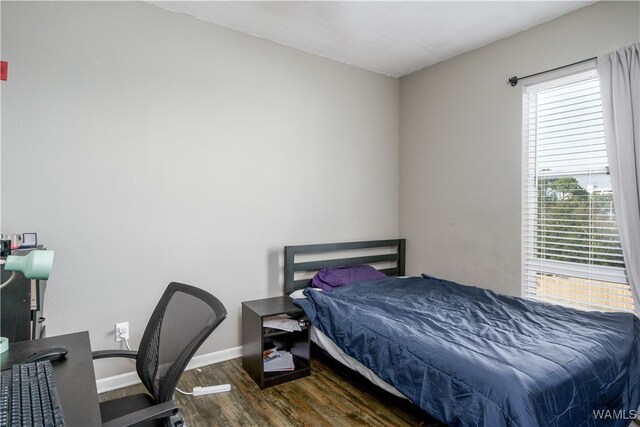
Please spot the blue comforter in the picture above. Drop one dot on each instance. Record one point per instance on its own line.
(471, 357)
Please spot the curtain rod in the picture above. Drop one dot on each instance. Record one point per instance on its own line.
(514, 80)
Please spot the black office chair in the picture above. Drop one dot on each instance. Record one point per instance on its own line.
(184, 317)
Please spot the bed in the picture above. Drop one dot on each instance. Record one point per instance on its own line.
(466, 355)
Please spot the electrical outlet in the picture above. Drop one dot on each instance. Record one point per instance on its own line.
(122, 331)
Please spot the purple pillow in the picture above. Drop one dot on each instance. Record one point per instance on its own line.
(331, 278)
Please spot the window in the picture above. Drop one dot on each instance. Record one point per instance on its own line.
(571, 248)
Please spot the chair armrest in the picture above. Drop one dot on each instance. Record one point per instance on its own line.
(161, 410)
(103, 354)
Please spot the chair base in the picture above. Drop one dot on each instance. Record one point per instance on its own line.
(177, 421)
(115, 408)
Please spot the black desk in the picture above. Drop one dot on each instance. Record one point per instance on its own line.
(75, 376)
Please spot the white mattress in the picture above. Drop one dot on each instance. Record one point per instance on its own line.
(336, 352)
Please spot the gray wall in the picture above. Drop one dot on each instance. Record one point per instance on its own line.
(460, 145)
(146, 147)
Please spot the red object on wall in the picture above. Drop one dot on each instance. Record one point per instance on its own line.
(4, 70)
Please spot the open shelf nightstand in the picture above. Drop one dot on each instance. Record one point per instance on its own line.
(256, 339)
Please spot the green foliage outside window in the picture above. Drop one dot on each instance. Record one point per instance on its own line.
(576, 225)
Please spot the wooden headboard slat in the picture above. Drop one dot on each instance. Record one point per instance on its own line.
(302, 283)
(290, 265)
(344, 246)
(317, 265)
(391, 271)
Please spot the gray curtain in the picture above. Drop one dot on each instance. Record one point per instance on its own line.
(620, 89)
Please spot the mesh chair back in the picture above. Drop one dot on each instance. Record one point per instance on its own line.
(184, 317)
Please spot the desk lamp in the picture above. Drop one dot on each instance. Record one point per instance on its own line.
(36, 265)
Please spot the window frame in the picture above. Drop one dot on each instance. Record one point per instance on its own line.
(529, 221)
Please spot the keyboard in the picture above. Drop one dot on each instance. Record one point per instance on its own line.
(29, 397)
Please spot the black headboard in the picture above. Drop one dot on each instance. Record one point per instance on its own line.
(291, 266)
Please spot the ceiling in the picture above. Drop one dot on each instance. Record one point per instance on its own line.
(388, 37)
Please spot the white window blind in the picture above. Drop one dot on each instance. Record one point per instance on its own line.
(571, 248)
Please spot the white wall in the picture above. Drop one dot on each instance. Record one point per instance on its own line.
(146, 147)
(460, 145)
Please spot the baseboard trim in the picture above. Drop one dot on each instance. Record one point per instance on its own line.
(131, 378)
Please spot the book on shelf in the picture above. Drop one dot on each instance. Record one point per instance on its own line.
(282, 362)
(270, 354)
(281, 322)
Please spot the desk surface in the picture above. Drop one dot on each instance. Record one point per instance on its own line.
(74, 375)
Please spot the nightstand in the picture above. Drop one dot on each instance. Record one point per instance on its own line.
(256, 339)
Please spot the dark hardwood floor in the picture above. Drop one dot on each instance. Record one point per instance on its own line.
(331, 396)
